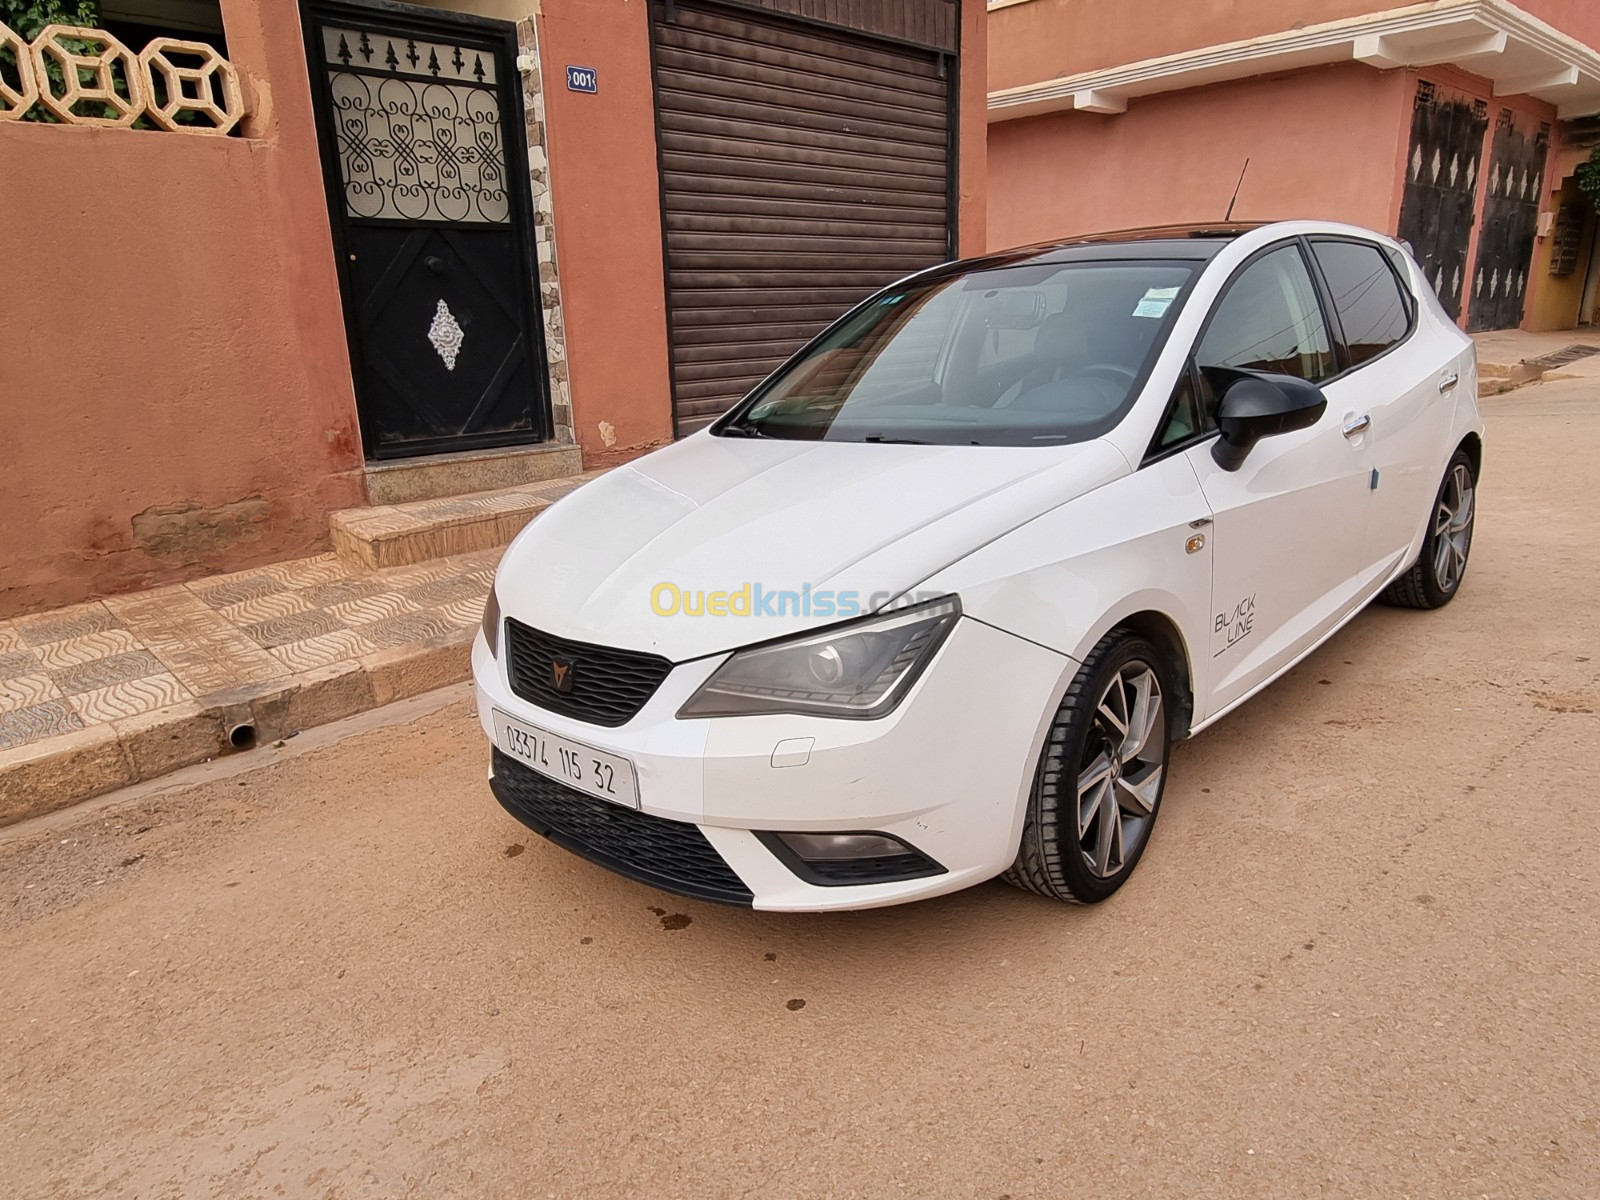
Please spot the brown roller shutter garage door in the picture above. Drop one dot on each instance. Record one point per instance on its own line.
(802, 167)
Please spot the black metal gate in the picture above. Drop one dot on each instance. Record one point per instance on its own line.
(1442, 171)
(419, 119)
(1510, 221)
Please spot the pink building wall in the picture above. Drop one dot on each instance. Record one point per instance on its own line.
(1046, 39)
(1576, 18)
(173, 373)
(1323, 143)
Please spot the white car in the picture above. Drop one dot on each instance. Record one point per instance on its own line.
(933, 602)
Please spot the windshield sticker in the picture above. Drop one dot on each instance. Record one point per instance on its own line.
(1155, 303)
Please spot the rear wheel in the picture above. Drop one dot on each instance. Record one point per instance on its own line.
(1099, 781)
(1435, 577)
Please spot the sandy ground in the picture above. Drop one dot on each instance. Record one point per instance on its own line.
(1360, 959)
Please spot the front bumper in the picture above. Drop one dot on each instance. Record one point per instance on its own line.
(947, 773)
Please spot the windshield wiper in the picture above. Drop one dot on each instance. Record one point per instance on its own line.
(883, 440)
(739, 430)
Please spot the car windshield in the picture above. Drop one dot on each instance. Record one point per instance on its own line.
(1035, 354)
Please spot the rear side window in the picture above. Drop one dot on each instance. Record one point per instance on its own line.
(1269, 320)
(1367, 296)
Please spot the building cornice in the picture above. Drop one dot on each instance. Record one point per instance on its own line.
(1518, 52)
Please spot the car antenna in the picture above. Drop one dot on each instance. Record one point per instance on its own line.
(1236, 188)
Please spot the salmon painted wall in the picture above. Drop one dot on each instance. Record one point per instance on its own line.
(1576, 18)
(1046, 39)
(605, 190)
(1322, 143)
(173, 374)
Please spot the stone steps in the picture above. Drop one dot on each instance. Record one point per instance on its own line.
(397, 535)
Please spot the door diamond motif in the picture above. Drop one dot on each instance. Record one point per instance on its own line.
(446, 335)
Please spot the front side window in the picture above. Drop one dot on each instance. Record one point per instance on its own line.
(1269, 320)
(1035, 354)
(1366, 295)
(1185, 417)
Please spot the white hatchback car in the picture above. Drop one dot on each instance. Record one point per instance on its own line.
(933, 602)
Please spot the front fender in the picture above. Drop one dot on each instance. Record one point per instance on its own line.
(1071, 575)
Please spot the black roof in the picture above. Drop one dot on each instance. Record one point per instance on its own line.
(1198, 242)
(1163, 241)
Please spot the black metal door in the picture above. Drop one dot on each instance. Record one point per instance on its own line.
(1442, 172)
(1510, 221)
(419, 119)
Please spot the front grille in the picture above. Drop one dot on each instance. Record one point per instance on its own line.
(607, 687)
(671, 855)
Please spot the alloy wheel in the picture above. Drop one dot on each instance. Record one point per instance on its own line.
(1119, 780)
(1452, 528)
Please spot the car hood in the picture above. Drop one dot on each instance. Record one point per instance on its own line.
(713, 514)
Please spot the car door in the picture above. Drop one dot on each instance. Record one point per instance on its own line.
(1402, 380)
(1292, 524)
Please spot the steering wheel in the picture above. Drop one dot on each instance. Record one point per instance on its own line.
(1124, 374)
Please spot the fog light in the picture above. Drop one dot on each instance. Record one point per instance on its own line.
(491, 623)
(837, 847)
(842, 859)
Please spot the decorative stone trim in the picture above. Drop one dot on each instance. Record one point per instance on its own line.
(171, 78)
(172, 87)
(16, 95)
(104, 65)
(544, 230)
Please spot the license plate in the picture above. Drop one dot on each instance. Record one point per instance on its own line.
(572, 763)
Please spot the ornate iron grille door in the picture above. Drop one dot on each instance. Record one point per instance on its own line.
(1443, 169)
(1510, 221)
(419, 120)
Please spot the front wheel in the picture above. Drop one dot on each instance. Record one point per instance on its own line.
(1100, 778)
(1435, 577)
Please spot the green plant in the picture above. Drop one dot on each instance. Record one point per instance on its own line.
(28, 17)
(1588, 176)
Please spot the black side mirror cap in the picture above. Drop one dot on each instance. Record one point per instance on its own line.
(1257, 405)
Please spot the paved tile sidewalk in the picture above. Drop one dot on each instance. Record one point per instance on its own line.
(103, 694)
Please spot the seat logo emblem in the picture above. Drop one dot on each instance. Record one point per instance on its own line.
(560, 675)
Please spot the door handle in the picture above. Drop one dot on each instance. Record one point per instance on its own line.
(1357, 425)
(1448, 382)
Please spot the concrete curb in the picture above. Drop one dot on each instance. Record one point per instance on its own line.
(59, 771)
(1496, 379)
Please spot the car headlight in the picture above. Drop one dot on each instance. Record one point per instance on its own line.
(491, 623)
(861, 670)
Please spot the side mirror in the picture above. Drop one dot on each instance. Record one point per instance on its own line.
(1255, 406)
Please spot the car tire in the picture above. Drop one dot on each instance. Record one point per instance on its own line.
(1435, 578)
(1088, 821)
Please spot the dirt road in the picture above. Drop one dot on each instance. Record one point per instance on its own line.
(1362, 958)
